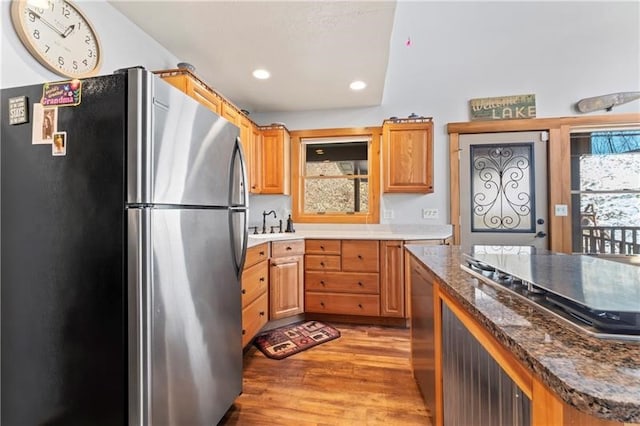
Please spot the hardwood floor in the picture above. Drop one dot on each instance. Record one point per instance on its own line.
(362, 378)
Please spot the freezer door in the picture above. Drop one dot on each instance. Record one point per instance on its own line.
(185, 312)
(179, 152)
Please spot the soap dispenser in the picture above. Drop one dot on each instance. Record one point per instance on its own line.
(289, 225)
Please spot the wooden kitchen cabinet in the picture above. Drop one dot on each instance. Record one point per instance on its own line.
(231, 113)
(286, 279)
(254, 283)
(407, 146)
(190, 84)
(275, 156)
(255, 161)
(392, 287)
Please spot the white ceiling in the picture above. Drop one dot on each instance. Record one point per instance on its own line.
(313, 49)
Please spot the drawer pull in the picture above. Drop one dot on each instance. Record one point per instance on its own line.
(360, 305)
(261, 279)
(262, 253)
(261, 313)
(322, 304)
(322, 282)
(288, 248)
(322, 264)
(360, 283)
(244, 291)
(321, 247)
(360, 256)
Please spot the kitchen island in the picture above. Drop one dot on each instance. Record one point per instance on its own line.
(567, 377)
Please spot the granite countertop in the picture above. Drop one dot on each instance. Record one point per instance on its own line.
(358, 232)
(600, 377)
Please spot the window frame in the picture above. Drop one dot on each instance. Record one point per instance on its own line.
(374, 135)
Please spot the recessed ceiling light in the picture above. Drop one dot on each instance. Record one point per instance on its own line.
(358, 85)
(261, 74)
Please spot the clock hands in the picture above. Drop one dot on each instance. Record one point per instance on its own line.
(64, 34)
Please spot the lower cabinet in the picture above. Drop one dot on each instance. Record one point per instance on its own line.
(342, 277)
(255, 301)
(286, 279)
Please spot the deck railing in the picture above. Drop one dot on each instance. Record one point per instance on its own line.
(611, 239)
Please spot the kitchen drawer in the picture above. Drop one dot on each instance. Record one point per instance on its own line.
(256, 254)
(342, 303)
(287, 248)
(360, 256)
(342, 282)
(318, 262)
(255, 281)
(323, 246)
(254, 317)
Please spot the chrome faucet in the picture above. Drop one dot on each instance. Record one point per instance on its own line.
(264, 219)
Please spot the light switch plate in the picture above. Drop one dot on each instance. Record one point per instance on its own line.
(562, 210)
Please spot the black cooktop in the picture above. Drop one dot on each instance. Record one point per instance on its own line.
(602, 294)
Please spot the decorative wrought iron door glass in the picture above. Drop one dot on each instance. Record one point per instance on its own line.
(502, 184)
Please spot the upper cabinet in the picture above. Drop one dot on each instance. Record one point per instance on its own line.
(190, 84)
(407, 146)
(275, 153)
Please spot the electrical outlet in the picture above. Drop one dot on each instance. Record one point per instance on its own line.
(388, 214)
(430, 214)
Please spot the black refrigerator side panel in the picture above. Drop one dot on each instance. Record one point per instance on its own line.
(63, 317)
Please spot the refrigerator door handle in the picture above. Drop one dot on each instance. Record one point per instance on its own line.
(239, 238)
(238, 189)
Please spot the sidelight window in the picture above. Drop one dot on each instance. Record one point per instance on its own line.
(605, 183)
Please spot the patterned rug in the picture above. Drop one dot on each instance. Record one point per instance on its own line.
(285, 341)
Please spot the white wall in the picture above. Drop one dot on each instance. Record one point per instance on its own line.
(559, 51)
(123, 45)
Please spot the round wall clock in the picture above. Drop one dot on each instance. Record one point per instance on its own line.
(58, 35)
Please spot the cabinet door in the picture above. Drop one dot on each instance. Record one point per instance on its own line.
(275, 153)
(286, 277)
(204, 96)
(231, 114)
(408, 157)
(392, 294)
(255, 166)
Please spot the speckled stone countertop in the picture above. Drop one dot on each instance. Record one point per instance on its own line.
(599, 377)
(403, 232)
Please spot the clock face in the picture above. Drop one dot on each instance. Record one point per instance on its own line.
(58, 35)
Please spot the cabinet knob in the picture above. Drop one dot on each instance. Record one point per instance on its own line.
(261, 279)
(321, 247)
(360, 283)
(244, 291)
(288, 248)
(244, 332)
(322, 304)
(360, 305)
(322, 282)
(261, 253)
(261, 313)
(360, 256)
(322, 264)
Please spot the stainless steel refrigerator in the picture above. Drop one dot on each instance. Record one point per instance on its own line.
(120, 259)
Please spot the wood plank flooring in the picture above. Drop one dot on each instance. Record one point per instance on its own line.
(362, 378)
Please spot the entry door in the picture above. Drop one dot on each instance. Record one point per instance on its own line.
(503, 189)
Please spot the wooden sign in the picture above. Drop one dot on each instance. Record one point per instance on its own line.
(503, 107)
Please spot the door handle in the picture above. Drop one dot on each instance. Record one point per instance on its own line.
(541, 234)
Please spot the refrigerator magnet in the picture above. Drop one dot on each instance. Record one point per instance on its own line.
(18, 110)
(45, 124)
(59, 145)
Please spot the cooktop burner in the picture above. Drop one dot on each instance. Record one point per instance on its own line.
(597, 296)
